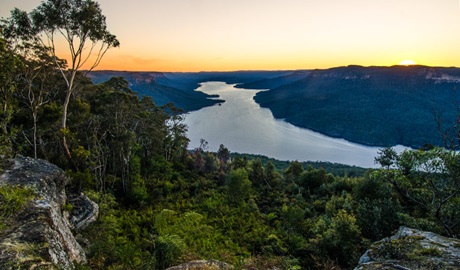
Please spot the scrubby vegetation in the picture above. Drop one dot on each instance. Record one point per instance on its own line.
(161, 204)
(12, 200)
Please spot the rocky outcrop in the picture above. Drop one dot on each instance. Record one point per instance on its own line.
(412, 249)
(40, 235)
(84, 211)
(202, 264)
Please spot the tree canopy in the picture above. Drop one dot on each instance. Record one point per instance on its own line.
(80, 23)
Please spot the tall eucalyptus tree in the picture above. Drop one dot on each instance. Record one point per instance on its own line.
(81, 24)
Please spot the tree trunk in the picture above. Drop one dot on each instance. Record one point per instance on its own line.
(65, 106)
(34, 115)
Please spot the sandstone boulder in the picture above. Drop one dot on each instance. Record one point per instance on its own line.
(203, 264)
(412, 249)
(40, 235)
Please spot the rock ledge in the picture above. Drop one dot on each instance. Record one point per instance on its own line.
(412, 249)
(203, 264)
(41, 235)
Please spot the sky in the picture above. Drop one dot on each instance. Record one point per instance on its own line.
(226, 35)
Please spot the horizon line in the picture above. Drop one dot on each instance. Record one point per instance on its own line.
(268, 70)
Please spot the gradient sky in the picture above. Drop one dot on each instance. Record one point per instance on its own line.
(224, 35)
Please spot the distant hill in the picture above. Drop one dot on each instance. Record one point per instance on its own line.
(163, 89)
(179, 88)
(271, 83)
(381, 106)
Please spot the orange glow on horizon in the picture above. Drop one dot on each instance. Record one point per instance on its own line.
(221, 35)
(407, 62)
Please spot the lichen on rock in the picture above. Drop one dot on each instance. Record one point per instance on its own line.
(202, 264)
(412, 249)
(41, 235)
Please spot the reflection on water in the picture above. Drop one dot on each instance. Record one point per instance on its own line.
(244, 127)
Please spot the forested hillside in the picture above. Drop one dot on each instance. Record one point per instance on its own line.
(271, 83)
(381, 106)
(179, 88)
(161, 204)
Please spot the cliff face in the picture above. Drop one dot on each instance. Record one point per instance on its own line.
(40, 235)
(412, 249)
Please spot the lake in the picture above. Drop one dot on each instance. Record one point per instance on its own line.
(243, 126)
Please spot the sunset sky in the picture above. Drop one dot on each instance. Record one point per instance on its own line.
(225, 35)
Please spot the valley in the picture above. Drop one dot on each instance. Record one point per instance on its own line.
(243, 126)
(374, 106)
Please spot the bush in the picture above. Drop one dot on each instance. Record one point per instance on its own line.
(12, 200)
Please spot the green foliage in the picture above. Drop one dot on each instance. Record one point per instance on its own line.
(80, 23)
(238, 187)
(378, 217)
(67, 207)
(377, 210)
(281, 166)
(168, 250)
(257, 174)
(430, 251)
(421, 223)
(294, 170)
(310, 180)
(106, 201)
(338, 238)
(10, 70)
(138, 192)
(195, 231)
(12, 201)
(80, 180)
(121, 240)
(428, 183)
(223, 154)
(386, 157)
(175, 141)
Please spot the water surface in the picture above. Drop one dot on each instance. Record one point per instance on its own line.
(243, 126)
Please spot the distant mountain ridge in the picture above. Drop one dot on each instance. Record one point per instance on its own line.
(378, 106)
(162, 89)
(381, 106)
(179, 87)
(275, 82)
